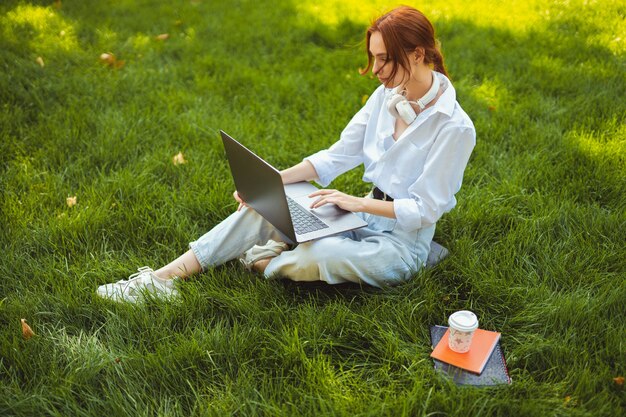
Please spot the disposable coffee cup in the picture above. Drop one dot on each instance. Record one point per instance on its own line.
(462, 326)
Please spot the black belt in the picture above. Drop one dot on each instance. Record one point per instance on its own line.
(379, 195)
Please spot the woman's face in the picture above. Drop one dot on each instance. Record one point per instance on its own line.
(382, 64)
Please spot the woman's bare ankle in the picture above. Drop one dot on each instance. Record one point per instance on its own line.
(184, 266)
(261, 264)
(164, 273)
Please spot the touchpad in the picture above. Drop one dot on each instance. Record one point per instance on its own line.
(328, 211)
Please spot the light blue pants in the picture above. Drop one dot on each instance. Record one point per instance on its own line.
(379, 254)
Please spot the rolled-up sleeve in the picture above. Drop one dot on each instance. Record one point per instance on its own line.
(346, 153)
(432, 194)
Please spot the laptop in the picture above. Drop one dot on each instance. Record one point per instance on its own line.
(286, 207)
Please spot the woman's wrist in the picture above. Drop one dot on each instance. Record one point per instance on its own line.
(304, 171)
(377, 207)
(363, 204)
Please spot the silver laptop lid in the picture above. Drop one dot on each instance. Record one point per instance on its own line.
(259, 185)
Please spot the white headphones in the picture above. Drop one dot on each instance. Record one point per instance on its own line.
(400, 107)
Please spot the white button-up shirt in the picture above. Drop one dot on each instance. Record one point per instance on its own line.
(422, 170)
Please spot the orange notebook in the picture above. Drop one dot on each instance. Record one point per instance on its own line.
(483, 343)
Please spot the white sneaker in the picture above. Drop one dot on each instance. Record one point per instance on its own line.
(139, 285)
(270, 250)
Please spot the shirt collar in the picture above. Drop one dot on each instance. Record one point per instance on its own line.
(445, 103)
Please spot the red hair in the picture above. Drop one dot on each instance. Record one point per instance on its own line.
(403, 30)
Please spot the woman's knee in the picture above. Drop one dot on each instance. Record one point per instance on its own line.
(249, 218)
(321, 251)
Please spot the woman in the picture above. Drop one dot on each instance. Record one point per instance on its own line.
(414, 140)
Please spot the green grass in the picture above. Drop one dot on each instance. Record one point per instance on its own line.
(537, 240)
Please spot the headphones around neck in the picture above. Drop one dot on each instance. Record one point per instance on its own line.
(400, 107)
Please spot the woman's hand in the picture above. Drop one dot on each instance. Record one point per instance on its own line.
(242, 204)
(342, 200)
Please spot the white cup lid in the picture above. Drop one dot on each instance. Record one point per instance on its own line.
(463, 320)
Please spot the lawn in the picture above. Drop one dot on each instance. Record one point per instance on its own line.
(537, 240)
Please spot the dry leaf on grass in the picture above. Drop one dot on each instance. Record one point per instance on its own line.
(162, 36)
(57, 4)
(27, 332)
(107, 58)
(70, 201)
(39, 60)
(619, 380)
(179, 159)
(110, 60)
(568, 401)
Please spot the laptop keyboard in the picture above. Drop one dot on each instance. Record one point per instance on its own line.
(303, 221)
